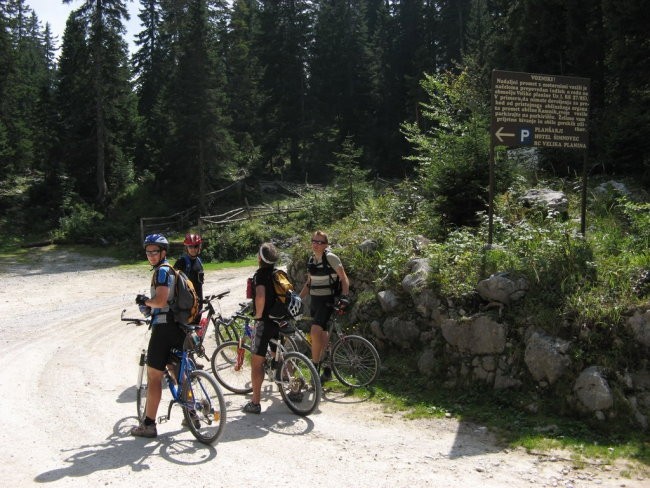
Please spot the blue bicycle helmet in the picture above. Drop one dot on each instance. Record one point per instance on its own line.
(156, 240)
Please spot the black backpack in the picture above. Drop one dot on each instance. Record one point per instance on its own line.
(185, 303)
(325, 268)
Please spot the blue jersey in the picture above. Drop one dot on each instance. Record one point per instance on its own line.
(162, 276)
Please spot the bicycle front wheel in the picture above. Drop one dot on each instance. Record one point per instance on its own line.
(232, 367)
(299, 383)
(355, 361)
(205, 411)
(141, 388)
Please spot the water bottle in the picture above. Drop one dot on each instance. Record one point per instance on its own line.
(196, 340)
(203, 324)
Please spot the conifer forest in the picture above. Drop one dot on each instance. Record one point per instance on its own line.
(218, 90)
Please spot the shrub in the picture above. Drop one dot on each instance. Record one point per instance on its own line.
(82, 224)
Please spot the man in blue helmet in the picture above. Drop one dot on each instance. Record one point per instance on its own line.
(165, 333)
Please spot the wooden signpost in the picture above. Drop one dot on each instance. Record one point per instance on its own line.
(537, 110)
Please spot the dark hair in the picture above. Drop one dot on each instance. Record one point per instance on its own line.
(268, 255)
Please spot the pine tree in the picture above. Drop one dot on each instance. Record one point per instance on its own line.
(152, 69)
(625, 123)
(201, 145)
(342, 90)
(74, 102)
(113, 111)
(244, 75)
(7, 62)
(285, 35)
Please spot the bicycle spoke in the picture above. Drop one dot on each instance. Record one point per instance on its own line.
(205, 410)
(355, 361)
(231, 367)
(299, 383)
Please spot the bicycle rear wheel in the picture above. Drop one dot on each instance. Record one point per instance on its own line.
(289, 343)
(355, 361)
(205, 411)
(300, 384)
(231, 369)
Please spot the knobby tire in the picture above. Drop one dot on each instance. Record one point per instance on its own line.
(223, 362)
(299, 376)
(209, 408)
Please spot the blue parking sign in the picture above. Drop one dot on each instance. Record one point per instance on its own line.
(526, 136)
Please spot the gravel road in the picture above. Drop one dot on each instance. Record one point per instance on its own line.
(68, 402)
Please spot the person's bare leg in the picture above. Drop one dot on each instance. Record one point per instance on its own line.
(317, 344)
(257, 376)
(154, 391)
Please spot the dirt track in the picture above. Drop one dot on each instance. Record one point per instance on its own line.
(68, 402)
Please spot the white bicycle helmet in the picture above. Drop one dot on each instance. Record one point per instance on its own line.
(294, 307)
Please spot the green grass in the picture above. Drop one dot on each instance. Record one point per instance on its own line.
(250, 261)
(503, 412)
(125, 258)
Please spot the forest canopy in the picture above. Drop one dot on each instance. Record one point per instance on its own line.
(219, 90)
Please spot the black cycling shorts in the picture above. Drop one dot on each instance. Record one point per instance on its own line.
(164, 337)
(321, 309)
(262, 333)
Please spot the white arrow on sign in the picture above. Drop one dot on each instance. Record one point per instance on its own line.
(500, 135)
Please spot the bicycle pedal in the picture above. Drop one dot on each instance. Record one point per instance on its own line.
(162, 419)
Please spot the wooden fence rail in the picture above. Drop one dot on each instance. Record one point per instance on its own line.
(181, 222)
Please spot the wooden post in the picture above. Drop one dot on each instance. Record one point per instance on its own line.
(491, 197)
(248, 209)
(583, 206)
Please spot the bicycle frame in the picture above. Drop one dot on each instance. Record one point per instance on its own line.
(215, 316)
(292, 372)
(187, 365)
(352, 358)
(195, 391)
(335, 333)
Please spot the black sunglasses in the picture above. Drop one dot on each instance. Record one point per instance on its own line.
(315, 241)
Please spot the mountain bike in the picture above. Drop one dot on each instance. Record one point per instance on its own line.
(292, 372)
(225, 329)
(353, 359)
(195, 391)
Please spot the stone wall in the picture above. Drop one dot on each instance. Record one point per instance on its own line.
(455, 346)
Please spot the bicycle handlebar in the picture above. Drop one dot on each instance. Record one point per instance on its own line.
(138, 321)
(218, 296)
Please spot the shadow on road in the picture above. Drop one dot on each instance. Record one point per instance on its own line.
(121, 449)
(275, 418)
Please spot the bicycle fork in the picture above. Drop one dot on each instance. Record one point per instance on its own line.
(273, 364)
(240, 347)
(240, 354)
(143, 355)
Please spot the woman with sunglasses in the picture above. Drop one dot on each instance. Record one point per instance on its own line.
(190, 263)
(326, 282)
